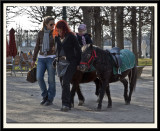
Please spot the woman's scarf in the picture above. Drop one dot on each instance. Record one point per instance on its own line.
(45, 44)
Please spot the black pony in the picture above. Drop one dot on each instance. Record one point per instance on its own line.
(102, 62)
(86, 77)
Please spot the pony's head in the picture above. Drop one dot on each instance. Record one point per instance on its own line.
(87, 58)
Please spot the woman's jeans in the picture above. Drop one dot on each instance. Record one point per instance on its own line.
(43, 65)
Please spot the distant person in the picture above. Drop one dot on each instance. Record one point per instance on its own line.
(82, 35)
(45, 47)
(21, 54)
(30, 52)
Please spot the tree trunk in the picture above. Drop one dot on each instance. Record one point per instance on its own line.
(134, 32)
(113, 26)
(139, 33)
(87, 17)
(119, 30)
(64, 13)
(49, 11)
(93, 29)
(152, 39)
(102, 37)
(98, 27)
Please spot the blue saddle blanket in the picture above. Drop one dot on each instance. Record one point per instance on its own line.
(128, 61)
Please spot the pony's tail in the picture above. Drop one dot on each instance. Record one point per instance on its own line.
(133, 77)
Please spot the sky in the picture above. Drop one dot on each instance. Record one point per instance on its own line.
(24, 22)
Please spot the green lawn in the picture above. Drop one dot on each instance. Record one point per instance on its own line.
(144, 62)
(23, 68)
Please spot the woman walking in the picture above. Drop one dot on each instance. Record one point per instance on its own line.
(45, 46)
(69, 55)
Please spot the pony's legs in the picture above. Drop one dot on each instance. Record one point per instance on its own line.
(73, 90)
(125, 83)
(98, 85)
(133, 79)
(109, 97)
(80, 96)
(101, 93)
(76, 88)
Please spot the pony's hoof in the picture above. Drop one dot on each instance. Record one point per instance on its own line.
(80, 103)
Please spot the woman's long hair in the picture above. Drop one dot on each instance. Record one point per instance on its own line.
(62, 24)
(46, 20)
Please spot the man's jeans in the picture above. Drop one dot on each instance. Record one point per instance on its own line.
(43, 65)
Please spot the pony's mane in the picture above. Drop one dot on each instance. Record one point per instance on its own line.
(85, 47)
(100, 50)
(94, 47)
(104, 56)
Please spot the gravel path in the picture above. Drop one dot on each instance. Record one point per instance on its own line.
(23, 98)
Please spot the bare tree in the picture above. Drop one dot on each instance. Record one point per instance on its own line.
(87, 14)
(38, 13)
(105, 23)
(98, 27)
(113, 25)
(152, 39)
(140, 32)
(12, 12)
(134, 32)
(74, 15)
(119, 30)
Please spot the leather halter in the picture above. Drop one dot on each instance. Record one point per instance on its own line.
(92, 57)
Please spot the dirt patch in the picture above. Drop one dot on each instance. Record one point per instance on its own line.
(23, 106)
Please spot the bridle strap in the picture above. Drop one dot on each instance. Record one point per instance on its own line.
(92, 57)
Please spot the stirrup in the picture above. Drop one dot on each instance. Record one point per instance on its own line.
(119, 71)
